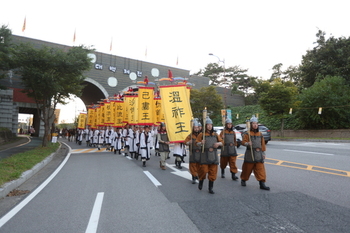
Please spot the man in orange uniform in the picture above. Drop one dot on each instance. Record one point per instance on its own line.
(228, 151)
(254, 155)
(195, 151)
(209, 159)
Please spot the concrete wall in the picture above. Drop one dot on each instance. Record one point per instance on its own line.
(8, 110)
(329, 133)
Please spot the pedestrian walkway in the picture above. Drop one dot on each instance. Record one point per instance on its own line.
(22, 145)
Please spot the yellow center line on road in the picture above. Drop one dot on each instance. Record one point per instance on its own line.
(82, 151)
(302, 166)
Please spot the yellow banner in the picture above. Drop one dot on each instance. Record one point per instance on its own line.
(94, 118)
(158, 111)
(90, 116)
(118, 116)
(188, 92)
(82, 120)
(146, 107)
(102, 114)
(113, 109)
(109, 119)
(98, 116)
(133, 111)
(177, 111)
(126, 109)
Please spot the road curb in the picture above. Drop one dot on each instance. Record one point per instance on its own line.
(9, 186)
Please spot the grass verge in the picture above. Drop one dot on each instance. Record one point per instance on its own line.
(11, 168)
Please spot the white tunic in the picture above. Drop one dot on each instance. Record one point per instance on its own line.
(95, 137)
(179, 149)
(87, 133)
(101, 136)
(145, 146)
(117, 143)
(108, 134)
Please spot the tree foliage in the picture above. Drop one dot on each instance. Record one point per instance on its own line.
(49, 75)
(292, 74)
(331, 93)
(5, 44)
(278, 98)
(214, 72)
(329, 57)
(209, 98)
(233, 77)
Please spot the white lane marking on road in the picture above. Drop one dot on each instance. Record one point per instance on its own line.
(186, 165)
(184, 174)
(308, 152)
(95, 214)
(152, 178)
(23, 203)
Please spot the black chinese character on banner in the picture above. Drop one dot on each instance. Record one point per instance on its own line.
(145, 106)
(177, 112)
(174, 97)
(180, 125)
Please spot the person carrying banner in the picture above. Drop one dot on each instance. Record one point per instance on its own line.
(108, 137)
(95, 137)
(132, 145)
(112, 139)
(117, 143)
(101, 137)
(87, 135)
(228, 152)
(127, 132)
(145, 145)
(195, 151)
(209, 157)
(80, 136)
(254, 155)
(91, 136)
(156, 141)
(163, 141)
(136, 133)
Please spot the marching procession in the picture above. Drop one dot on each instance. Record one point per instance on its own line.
(138, 141)
(160, 119)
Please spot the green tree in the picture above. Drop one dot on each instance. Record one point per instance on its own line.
(49, 75)
(276, 72)
(333, 95)
(214, 72)
(292, 74)
(329, 57)
(5, 45)
(209, 98)
(278, 99)
(234, 78)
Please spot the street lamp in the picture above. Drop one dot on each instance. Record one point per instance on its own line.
(223, 62)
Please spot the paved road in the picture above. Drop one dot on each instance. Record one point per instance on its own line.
(300, 200)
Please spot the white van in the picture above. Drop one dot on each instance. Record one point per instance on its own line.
(218, 130)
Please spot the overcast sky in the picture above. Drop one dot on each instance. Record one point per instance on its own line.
(255, 34)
